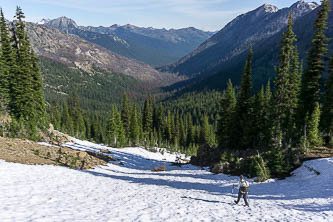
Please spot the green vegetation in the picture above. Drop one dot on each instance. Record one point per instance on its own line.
(21, 86)
(282, 126)
(97, 90)
(259, 134)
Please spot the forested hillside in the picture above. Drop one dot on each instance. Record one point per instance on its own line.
(260, 133)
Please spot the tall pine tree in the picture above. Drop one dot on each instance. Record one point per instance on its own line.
(241, 136)
(286, 87)
(27, 100)
(7, 63)
(311, 81)
(228, 104)
(326, 121)
(134, 129)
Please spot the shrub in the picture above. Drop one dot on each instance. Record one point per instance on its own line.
(261, 170)
(278, 163)
(159, 168)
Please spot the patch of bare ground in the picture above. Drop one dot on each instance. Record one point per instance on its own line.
(318, 152)
(29, 152)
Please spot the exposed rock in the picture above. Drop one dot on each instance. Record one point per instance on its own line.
(55, 137)
(105, 151)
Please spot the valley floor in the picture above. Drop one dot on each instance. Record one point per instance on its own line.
(127, 190)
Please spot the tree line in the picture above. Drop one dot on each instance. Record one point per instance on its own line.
(150, 124)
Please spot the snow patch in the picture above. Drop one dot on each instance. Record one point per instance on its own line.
(270, 8)
(43, 21)
(132, 192)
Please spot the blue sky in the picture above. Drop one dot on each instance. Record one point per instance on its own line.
(203, 14)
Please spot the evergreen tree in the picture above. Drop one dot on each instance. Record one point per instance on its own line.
(66, 120)
(205, 131)
(134, 129)
(27, 100)
(326, 121)
(259, 117)
(261, 170)
(286, 87)
(121, 138)
(267, 116)
(125, 114)
(241, 137)
(311, 81)
(294, 94)
(37, 88)
(313, 126)
(7, 64)
(75, 112)
(168, 130)
(278, 164)
(147, 117)
(22, 79)
(55, 115)
(228, 104)
(190, 131)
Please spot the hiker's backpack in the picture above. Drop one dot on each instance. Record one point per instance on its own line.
(245, 186)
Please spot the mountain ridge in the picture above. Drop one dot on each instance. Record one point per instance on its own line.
(149, 45)
(235, 38)
(79, 53)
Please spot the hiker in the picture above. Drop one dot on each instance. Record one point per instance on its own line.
(243, 189)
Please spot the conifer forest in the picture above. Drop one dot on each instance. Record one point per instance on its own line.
(258, 131)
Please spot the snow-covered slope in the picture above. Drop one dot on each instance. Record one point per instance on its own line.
(132, 192)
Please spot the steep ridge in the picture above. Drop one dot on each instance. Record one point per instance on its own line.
(265, 55)
(235, 38)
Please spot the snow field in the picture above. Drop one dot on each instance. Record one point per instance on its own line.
(132, 192)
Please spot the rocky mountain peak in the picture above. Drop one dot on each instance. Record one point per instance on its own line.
(269, 8)
(265, 9)
(305, 6)
(62, 23)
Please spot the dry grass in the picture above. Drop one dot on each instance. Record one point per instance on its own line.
(31, 153)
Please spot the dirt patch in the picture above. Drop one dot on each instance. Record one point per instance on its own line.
(318, 152)
(29, 152)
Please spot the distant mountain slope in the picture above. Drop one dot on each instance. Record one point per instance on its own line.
(223, 49)
(265, 56)
(76, 52)
(99, 76)
(97, 91)
(149, 45)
